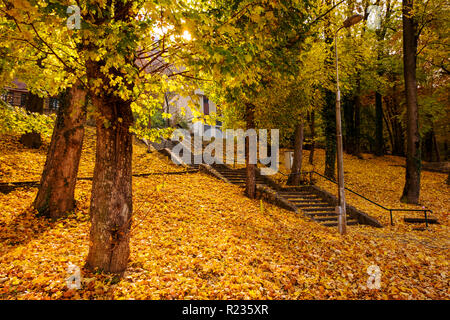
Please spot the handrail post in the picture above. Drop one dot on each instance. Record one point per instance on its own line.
(390, 213)
(426, 219)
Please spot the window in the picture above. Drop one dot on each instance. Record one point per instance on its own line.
(205, 106)
(10, 98)
(53, 104)
(23, 99)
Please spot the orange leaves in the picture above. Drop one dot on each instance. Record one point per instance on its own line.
(199, 238)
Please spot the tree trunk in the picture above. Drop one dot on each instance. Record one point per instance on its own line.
(436, 147)
(378, 124)
(329, 122)
(250, 181)
(313, 135)
(357, 126)
(393, 115)
(329, 107)
(295, 176)
(111, 202)
(411, 190)
(427, 146)
(348, 106)
(388, 128)
(56, 192)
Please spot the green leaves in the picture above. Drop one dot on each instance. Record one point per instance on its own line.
(16, 121)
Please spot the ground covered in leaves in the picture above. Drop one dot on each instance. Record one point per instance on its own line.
(194, 237)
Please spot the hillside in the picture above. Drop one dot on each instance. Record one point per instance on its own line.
(195, 237)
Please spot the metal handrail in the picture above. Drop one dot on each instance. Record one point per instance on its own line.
(391, 210)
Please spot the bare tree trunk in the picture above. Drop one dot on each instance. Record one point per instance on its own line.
(357, 139)
(329, 108)
(295, 176)
(56, 192)
(411, 190)
(391, 138)
(313, 135)
(436, 147)
(329, 123)
(111, 202)
(378, 124)
(250, 182)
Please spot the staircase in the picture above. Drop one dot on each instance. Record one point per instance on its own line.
(236, 176)
(313, 206)
(304, 199)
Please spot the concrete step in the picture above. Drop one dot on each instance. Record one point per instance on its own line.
(351, 222)
(321, 209)
(312, 201)
(326, 218)
(320, 206)
(312, 214)
(421, 220)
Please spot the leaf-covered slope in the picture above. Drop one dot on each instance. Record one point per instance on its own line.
(196, 237)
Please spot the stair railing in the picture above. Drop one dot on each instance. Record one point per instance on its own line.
(391, 210)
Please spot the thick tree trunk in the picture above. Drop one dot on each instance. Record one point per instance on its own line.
(56, 192)
(295, 176)
(411, 190)
(312, 127)
(111, 203)
(250, 182)
(378, 124)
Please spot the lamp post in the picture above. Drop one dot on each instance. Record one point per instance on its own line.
(341, 209)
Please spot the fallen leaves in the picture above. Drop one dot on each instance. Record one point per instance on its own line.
(195, 237)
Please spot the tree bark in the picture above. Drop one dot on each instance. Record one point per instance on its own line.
(111, 202)
(329, 107)
(295, 176)
(312, 127)
(329, 122)
(357, 138)
(56, 192)
(250, 182)
(436, 147)
(411, 190)
(427, 146)
(378, 124)
(348, 106)
(393, 115)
